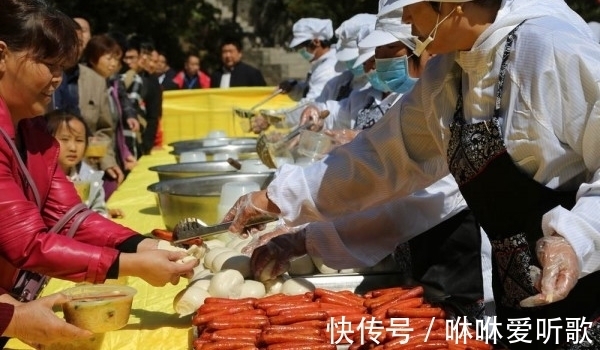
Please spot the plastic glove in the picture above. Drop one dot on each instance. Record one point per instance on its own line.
(341, 136)
(265, 238)
(273, 259)
(259, 124)
(251, 207)
(288, 85)
(560, 271)
(312, 114)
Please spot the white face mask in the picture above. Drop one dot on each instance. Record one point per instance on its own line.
(422, 45)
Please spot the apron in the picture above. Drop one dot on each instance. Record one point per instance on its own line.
(509, 205)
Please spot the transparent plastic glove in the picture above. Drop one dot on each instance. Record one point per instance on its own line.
(259, 124)
(273, 258)
(251, 207)
(341, 136)
(288, 85)
(312, 114)
(560, 271)
(261, 240)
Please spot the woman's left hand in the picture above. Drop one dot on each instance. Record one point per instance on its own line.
(560, 271)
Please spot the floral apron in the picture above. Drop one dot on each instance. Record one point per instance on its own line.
(509, 205)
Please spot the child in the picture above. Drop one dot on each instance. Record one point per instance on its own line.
(72, 133)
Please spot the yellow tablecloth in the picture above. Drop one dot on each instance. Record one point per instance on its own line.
(153, 325)
(192, 114)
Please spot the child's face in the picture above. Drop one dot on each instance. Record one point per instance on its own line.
(72, 142)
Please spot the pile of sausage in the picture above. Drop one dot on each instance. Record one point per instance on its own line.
(314, 321)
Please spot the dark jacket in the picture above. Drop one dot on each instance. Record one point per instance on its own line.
(241, 75)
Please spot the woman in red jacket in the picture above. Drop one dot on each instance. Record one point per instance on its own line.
(44, 230)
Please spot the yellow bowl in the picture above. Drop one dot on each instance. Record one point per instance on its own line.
(99, 308)
(92, 343)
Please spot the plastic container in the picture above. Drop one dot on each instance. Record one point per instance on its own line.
(254, 166)
(216, 134)
(192, 157)
(97, 148)
(99, 308)
(83, 189)
(314, 144)
(231, 192)
(92, 343)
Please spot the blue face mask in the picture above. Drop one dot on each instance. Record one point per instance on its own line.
(358, 71)
(394, 73)
(376, 83)
(306, 55)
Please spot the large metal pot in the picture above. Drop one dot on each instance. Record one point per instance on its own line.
(197, 196)
(244, 151)
(185, 170)
(188, 145)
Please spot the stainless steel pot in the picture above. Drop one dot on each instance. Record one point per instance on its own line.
(197, 196)
(185, 170)
(188, 145)
(244, 151)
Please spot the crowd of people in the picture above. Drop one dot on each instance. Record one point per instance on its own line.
(466, 148)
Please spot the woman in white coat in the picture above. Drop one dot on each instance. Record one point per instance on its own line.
(510, 106)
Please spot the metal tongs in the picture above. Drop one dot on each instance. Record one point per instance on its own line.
(192, 228)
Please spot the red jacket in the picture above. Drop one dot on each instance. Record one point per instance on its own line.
(24, 239)
(202, 82)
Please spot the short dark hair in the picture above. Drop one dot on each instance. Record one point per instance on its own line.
(98, 46)
(232, 41)
(55, 118)
(41, 29)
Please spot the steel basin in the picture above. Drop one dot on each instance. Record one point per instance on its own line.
(188, 145)
(245, 151)
(197, 196)
(184, 170)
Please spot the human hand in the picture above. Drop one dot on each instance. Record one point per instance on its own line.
(264, 238)
(341, 136)
(287, 85)
(134, 124)
(157, 267)
(130, 162)
(116, 173)
(251, 207)
(560, 271)
(259, 123)
(312, 114)
(273, 258)
(35, 323)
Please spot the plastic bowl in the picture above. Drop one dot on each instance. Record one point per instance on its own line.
(92, 343)
(99, 308)
(97, 148)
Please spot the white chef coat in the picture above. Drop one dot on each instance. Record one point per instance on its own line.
(550, 118)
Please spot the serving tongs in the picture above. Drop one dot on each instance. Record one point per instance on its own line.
(249, 113)
(192, 228)
(268, 150)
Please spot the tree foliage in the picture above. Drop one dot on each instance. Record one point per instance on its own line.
(180, 26)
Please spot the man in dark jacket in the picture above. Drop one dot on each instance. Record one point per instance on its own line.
(234, 72)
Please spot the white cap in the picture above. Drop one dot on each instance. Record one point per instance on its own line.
(595, 27)
(389, 29)
(385, 6)
(364, 54)
(311, 28)
(350, 32)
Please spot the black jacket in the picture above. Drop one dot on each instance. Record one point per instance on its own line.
(241, 75)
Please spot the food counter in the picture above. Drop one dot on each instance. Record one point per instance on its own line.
(153, 323)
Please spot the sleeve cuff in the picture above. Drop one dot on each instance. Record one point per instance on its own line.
(130, 244)
(113, 270)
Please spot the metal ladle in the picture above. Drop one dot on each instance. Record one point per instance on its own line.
(266, 150)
